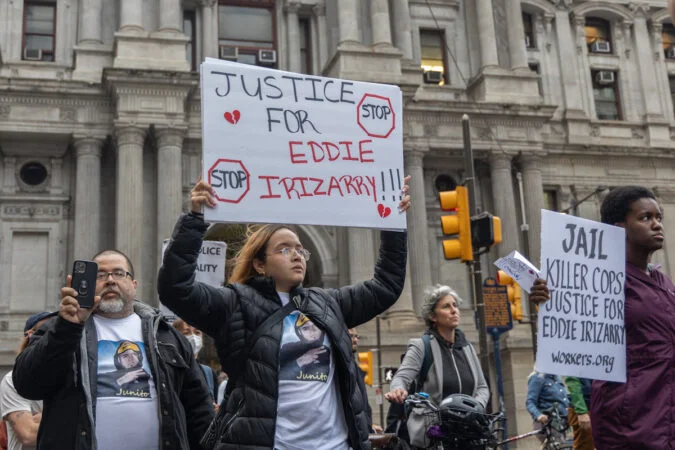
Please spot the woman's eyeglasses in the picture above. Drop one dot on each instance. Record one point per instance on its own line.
(290, 252)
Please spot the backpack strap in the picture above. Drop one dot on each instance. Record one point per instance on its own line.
(426, 364)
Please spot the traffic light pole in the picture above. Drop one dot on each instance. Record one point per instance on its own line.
(525, 229)
(474, 266)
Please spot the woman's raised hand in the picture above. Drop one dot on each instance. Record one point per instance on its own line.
(405, 201)
(201, 195)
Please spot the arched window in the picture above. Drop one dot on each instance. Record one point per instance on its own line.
(598, 35)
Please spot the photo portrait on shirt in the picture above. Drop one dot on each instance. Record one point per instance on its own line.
(305, 350)
(123, 370)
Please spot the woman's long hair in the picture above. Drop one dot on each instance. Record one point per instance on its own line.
(254, 248)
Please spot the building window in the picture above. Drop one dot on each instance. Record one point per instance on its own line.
(606, 94)
(671, 81)
(534, 67)
(434, 63)
(668, 38)
(39, 31)
(190, 30)
(246, 33)
(529, 34)
(305, 47)
(551, 199)
(598, 35)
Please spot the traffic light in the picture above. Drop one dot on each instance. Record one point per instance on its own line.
(366, 364)
(486, 230)
(459, 224)
(514, 293)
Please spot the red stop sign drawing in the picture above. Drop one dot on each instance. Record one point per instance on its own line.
(376, 116)
(230, 180)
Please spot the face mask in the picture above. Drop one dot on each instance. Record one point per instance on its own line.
(196, 342)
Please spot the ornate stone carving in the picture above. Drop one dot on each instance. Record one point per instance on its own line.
(4, 111)
(595, 131)
(17, 211)
(562, 4)
(68, 115)
(637, 133)
(319, 10)
(639, 9)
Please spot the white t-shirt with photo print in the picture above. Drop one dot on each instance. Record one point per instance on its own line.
(126, 398)
(309, 410)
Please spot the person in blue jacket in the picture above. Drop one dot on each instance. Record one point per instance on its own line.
(543, 392)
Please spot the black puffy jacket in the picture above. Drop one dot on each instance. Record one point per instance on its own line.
(231, 314)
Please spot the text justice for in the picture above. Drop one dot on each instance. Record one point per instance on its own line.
(280, 86)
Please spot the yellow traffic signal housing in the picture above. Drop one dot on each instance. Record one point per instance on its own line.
(486, 230)
(459, 224)
(514, 292)
(366, 364)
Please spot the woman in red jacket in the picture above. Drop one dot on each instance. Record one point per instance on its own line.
(638, 414)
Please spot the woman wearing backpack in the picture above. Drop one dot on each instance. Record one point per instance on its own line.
(453, 366)
(280, 399)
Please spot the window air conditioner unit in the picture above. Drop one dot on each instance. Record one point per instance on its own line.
(604, 77)
(267, 56)
(32, 54)
(670, 53)
(601, 47)
(433, 76)
(528, 41)
(229, 52)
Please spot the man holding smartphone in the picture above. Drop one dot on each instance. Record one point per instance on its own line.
(115, 370)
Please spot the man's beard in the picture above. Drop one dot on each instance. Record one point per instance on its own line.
(111, 306)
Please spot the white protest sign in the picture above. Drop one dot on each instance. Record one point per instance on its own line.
(281, 147)
(519, 268)
(210, 268)
(581, 328)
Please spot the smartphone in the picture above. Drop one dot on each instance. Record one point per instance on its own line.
(84, 282)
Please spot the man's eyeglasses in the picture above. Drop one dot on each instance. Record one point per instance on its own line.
(117, 275)
(290, 252)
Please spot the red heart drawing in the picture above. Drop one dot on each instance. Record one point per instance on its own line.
(383, 211)
(233, 117)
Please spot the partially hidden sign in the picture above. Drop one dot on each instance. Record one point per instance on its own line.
(581, 328)
(281, 147)
(497, 308)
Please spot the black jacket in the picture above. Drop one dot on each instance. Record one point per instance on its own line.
(231, 314)
(59, 366)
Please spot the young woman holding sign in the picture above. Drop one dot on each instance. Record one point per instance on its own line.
(638, 414)
(286, 349)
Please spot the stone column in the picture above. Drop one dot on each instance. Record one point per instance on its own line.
(645, 65)
(418, 240)
(170, 16)
(504, 201)
(348, 21)
(533, 191)
(380, 21)
(90, 22)
(322, 35)
(362, 250)
(209, 29)
(293, 37)
(87, 197)
(622, 40)
(487, 36)
(131, 15)
(583, 66)
(568, 67)
(129, 224)
(661, 71)
(170, 183)
(402, 35)
(516, 35)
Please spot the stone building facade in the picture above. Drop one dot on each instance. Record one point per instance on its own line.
(100, 128)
